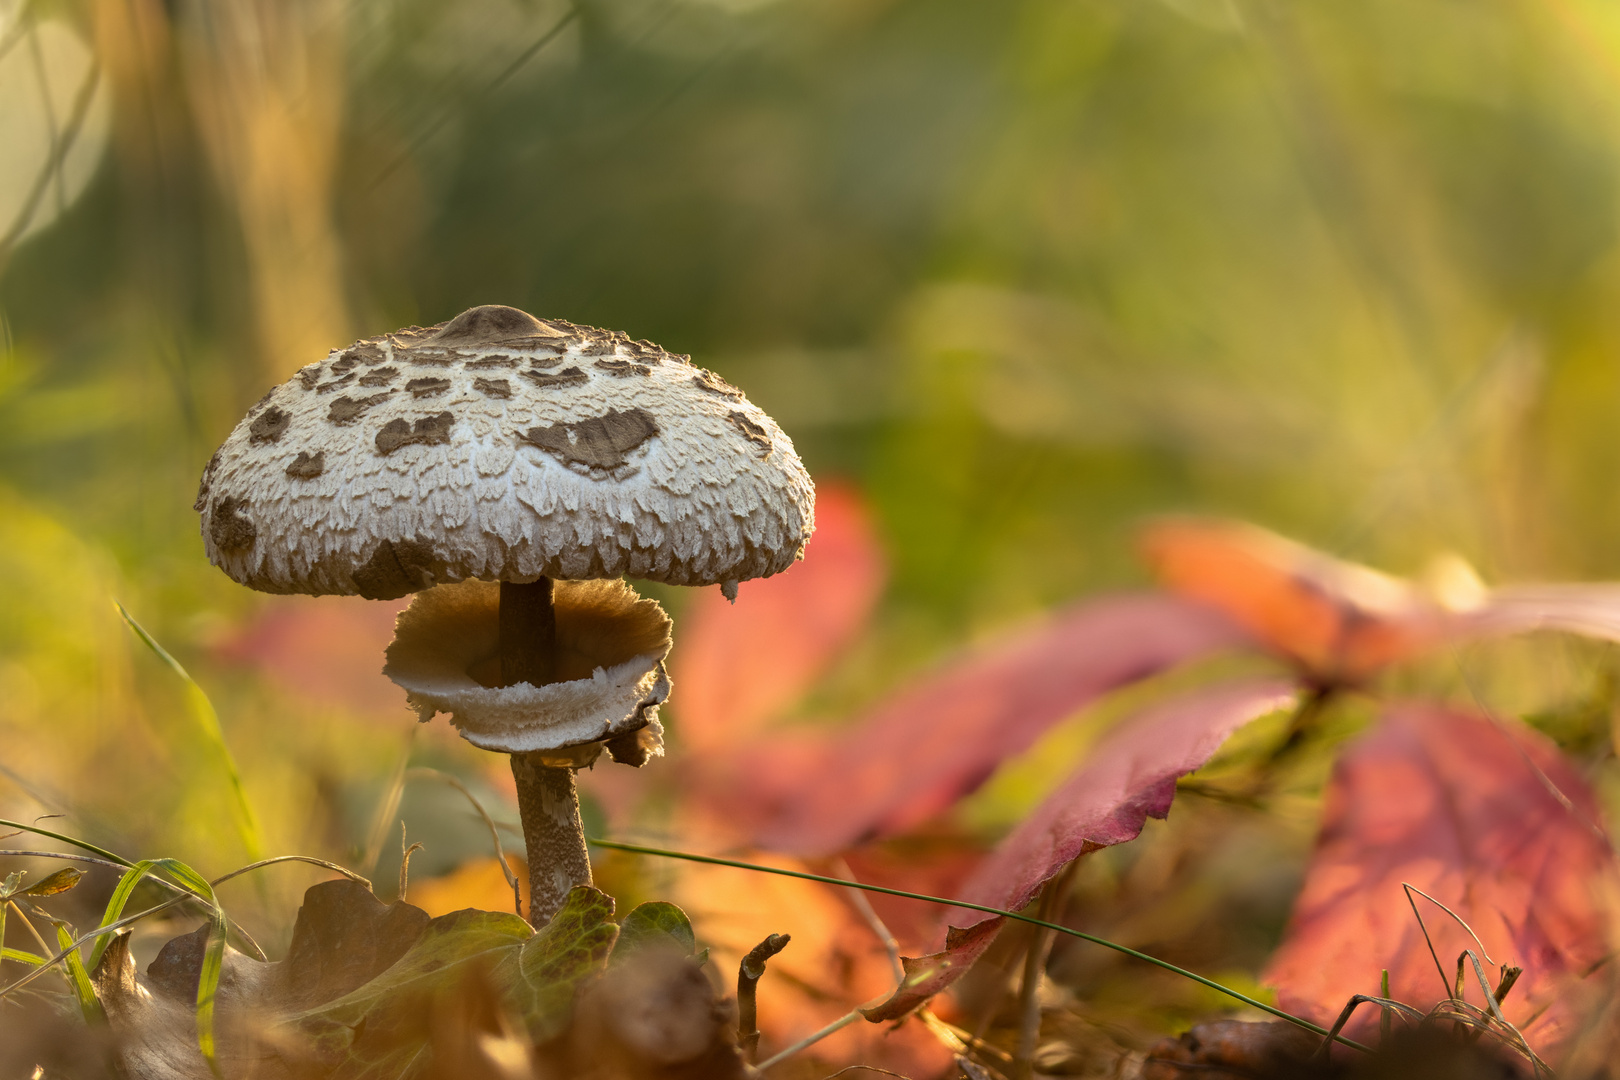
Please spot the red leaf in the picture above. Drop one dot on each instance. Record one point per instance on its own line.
(739, 665)
(1130, 777)
(1339, 621)
(323, 649)
(927, 746)
(1452, 805)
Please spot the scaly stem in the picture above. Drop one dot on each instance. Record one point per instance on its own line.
(548, 804)
(552, 832)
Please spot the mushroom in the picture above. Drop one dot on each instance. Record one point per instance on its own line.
(543, 456)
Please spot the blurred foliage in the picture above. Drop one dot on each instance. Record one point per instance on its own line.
(1024, 272)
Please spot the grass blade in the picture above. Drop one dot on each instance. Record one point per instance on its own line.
(79, 978)
(20, 955)
(207, 720)
(213, 955)
(115, 904)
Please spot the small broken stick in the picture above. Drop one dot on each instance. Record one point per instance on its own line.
(749, 973)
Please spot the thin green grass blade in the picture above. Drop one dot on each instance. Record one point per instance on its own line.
(207, 720)
(22, 956)
(1055, 927)
(82, 845)
(213, 955)
(208, 987)
(79, 978)
(115, 904)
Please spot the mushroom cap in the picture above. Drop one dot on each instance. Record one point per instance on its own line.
(611, 646)
(502, 447)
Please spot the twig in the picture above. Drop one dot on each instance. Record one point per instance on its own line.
(1427, 941)
(749, 972)
(494, 833)
(864, 906)
(811, 1040)
(405, 854)
(11, 906)
(1029, 1001)
(19, 29)
(69, 135)
(1350, 1006)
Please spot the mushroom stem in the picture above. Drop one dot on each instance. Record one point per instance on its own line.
(548, 806)
(528, 632)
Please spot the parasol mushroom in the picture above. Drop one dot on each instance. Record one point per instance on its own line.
(508, 469)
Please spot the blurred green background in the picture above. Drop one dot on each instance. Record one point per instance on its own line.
(1023, 271)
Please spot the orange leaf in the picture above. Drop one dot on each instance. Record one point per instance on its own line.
(1338, 621)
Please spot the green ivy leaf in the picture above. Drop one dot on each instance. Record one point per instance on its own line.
(573, 947)
(657, 924)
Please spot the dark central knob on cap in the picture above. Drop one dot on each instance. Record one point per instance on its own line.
(491, 322)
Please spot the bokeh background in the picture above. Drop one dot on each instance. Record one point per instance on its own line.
(1014, 276)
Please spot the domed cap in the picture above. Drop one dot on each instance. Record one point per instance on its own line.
(502, 447)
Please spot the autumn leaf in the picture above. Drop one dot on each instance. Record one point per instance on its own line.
(1466, 810)
(1128, 778)
(740, 665)
(322, 650)
(1338, 621)
(937, 740)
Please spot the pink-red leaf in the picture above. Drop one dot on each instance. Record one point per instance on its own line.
(740, 665)
(927, 746)
(1130, 777)
(324, 650)
(1451, 804)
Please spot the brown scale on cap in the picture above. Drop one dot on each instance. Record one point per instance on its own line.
(363, 352)
(310, 376)
(753, 432)
(495, 388)
(269, 425)
(305, 467)
(428, 431)
(600, 442)
(346, 410)
(228, 527)
(497, 361)
(206, 482)
(714, 384)
(622, 368)
(379, 376)
(571, 376)
(333, 384)
(397, 568)
(421, 388)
